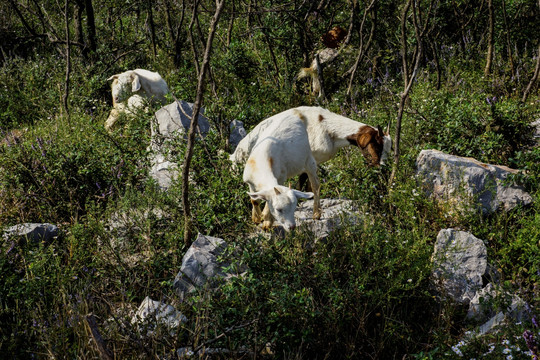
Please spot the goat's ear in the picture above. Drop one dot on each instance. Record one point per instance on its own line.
(113, 77)
(303, 195)
(364, 139)
(380, 131)
(136, 83)
(257, 195)
(277, 191)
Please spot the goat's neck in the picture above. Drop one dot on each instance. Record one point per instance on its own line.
(341, 127)
(261, 174)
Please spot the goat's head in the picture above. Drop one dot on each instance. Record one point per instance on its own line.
(281, 202)
(334, 37)
(124, 85)
(375, 144)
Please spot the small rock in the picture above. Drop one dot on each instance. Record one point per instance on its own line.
(174, 120)
(152, 313)
(237, 133)
(335, 213)
(201, 267)
(163, 171)
(33, 232)
(486, 303)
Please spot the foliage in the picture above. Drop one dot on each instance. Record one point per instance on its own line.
(364, 291)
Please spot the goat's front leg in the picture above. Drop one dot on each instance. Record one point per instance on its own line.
(256, 214)
(316, 188)
(268, 219)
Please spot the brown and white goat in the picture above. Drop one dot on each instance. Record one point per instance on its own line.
(327, 132)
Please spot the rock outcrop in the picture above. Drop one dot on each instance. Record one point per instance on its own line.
(465, 183)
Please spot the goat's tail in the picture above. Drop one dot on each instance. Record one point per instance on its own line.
(311, 72)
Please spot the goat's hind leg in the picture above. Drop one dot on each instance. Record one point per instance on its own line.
(315, 188)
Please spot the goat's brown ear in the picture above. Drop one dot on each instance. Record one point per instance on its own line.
(364, 139)
(380, 131)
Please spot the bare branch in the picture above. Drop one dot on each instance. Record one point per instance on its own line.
(533, 79)
(194, 124)
(98, 339)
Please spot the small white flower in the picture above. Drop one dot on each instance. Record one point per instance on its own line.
(409, 281)
(456, 349)
(506, 351)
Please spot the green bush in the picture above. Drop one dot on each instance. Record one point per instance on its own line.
(55, 172)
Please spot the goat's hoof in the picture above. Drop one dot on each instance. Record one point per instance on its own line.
(256, 220)
(267, 226)
(317, 216)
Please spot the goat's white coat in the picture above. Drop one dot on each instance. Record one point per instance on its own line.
(145, 83)
(326, 137)
(280, 151)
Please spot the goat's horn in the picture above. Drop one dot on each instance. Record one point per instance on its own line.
(290, 185)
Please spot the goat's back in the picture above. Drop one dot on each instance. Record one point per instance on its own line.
(281, 149)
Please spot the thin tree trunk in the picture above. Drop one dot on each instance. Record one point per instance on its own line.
(152, 28)
(77, 16)
(354, 10)
(90, 26)
(404, 46)
(168, 21)
(192, 40)
(407, 81)
(535, 75)
(508, 44)
(533, 79)
(270, 47)
(361, 50)
(188, 225)
(231, 24)
(437, 64)
(491, 39)
(68, 61)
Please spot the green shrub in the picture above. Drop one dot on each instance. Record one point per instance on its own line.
(54, 172)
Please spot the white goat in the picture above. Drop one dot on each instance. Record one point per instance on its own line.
(148, 84)
(280, 152)
(328, 132)
(134, 104)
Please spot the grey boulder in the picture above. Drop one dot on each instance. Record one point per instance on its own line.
(459, 263)
(465, 183)
(203, 265)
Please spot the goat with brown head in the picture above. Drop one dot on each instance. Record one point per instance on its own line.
(374, 143)
(334, 37)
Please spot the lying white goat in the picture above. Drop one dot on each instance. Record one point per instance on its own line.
(328, 132)
(133, 105)
(280, 152)
(148, 84)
